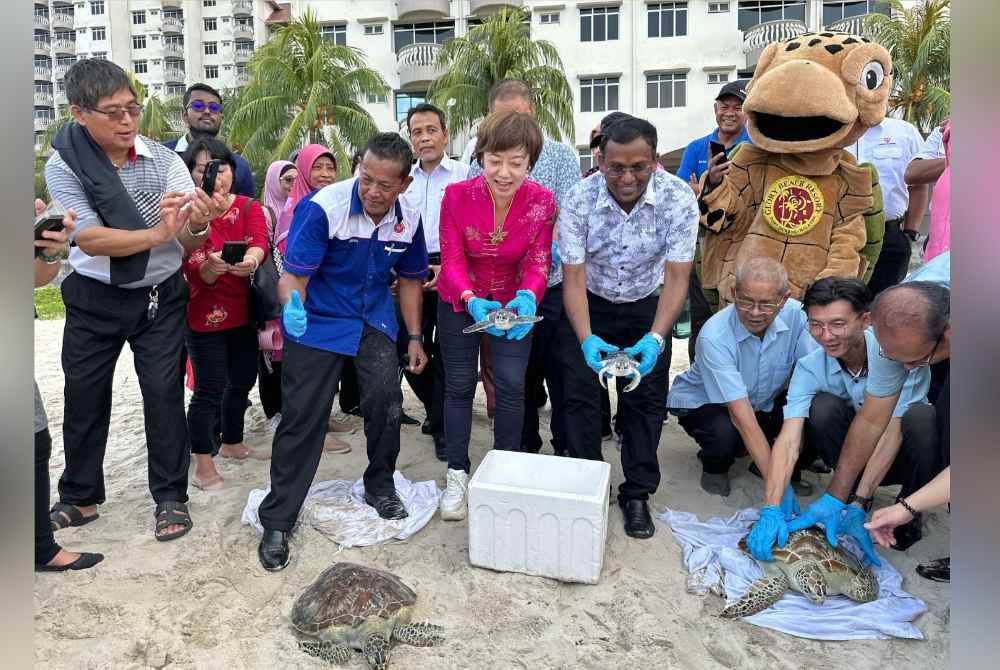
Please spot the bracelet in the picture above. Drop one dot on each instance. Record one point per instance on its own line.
(256, 264)
(416, 338)
(202, 233)
(49, 260)
(659, 340)
(906, 506)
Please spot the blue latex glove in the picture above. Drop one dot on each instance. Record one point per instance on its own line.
(853, 524)
(556, 259)
(592, 348)
(479, 309)
(769, 529)
(294, 316)
(524, 305)
(827, 510)
(646, 350)
(789, 504)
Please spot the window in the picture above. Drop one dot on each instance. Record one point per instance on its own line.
(244, 22)
(211, 72)
(599, 95)
(140, 67)
(208, 3)
(139, 18)
(68, 35)
(174, 39)
(375, 29)
(173, 14)
(438, 32)
(211, 48)
(548, 18)
(174, 89)
(98, 34)
(587, 159)
(100, 55)
(377, 99)
(336, 33)
(755, 12)
(598, 24)
(835, 10)
(404, 101)
(718, 77)
(718, 7)
(666, 90)
(97, 7)
(667, 19)
(47, 88)
(211, 24)
(138, 41)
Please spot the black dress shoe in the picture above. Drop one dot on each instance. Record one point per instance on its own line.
(407, 420)
(273, 550)
(439, 448)
(638, 522)
(388, 506)
(426, 428)
(936, 571)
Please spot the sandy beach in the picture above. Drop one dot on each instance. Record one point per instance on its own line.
(204, 601)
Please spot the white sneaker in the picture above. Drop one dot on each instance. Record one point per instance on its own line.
(272, 423)
(453, 506)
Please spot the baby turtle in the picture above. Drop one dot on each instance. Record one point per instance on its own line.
(620, 364)
(350, 606)
(501, 319)
(809, 565)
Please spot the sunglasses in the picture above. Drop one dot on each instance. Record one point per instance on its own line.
(201, 106)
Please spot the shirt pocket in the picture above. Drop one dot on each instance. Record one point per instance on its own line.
(887, 152)
(148, 205)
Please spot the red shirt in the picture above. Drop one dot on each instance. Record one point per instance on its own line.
(223, 305)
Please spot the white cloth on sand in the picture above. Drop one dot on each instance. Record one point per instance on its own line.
(337, 509)
(715, 563)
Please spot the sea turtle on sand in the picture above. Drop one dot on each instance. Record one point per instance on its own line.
(350, 606)
(620, 364)
(809, 565)
(501, 319)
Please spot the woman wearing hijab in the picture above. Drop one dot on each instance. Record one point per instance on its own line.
(316, 168)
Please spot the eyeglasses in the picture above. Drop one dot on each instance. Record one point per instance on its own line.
(920, 362)
(118, 113)
(836, 328)
(201, 106)
(747, 305)
(638, 171)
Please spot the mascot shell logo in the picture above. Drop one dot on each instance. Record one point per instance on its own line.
(793, 205)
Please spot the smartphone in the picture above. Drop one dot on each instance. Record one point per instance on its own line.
(208, 179)
(233, 252)
(715, 148)
(47, 221)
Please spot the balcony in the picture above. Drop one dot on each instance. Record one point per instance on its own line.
(40, 22)
(242, 33)
(173, 75)
(242, 7)
(67, 47)
(43, 99)
(41, 48)
(62, 21)
(423, 9)
(42, 124)
(173, 50)
(61, 98)
(483, 6)
(43, 73)
(172, 4)
(242, 54)
(854, 25)
(60, 70)
(242, 78)
(170, 25)
(416, 64)
(762, 34)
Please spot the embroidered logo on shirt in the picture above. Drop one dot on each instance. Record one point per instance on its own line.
(793, 205)
(399, 227)
(216, 316)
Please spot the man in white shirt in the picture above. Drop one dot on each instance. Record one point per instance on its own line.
(432, 172)
(890, 146)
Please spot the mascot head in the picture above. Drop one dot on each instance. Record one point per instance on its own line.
(817, 91)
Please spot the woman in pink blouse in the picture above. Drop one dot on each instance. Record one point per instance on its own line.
(496, 239)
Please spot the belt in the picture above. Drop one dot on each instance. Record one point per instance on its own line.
(895, 222)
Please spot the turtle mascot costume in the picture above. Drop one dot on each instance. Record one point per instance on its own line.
(795, 195)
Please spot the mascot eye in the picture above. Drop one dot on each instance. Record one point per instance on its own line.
(872, 75)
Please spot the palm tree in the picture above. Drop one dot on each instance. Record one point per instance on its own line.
(919, 40)
(502, 48)
(302, 88)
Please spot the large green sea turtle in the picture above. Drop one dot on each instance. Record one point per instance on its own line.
(350, 606)
(809, 565)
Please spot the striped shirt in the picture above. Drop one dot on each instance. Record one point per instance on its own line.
(153, 171)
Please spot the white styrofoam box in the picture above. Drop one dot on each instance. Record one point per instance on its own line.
(541, 515)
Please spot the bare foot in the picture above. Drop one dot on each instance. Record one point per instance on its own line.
(235, 451)
(206, 477)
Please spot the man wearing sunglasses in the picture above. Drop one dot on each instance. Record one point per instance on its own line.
(912, 323)
(202, 115)
(730, 399)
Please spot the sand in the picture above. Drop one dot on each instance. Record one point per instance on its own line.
(204, 601)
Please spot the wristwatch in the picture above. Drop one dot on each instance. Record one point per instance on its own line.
(866, 503)
(659, 340)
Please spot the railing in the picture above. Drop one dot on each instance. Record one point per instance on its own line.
(42, 124)
(763, 34)
(242, 78)
(42, 72)
(60, 71)
(242, 54)
(172, 3)
(854, 25)
(173, 50)
(65, 46)
(62, 21)
(242, 7)
(43, 99)
(242, 33)
(42, 46)
(172, 25)
(416, 63)
(173, 74)
(40, 22)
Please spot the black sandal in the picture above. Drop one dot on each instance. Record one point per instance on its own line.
(936, 571)
(63, 515)
(84, 560)
(172, 513)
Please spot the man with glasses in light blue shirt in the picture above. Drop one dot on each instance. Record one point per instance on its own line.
(729, 399)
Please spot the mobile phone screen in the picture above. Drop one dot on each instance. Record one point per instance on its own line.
(208, 179)
(716, 148)
(233, 252)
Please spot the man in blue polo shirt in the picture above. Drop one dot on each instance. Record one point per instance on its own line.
(346, 242)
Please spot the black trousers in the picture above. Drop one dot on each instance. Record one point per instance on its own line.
(919, 457)
(225, 367)
(461, 361)
(429, 384)
(894, 259)
(269, 385)
(349, 395)
(45, 542)
(700, 310)
(720, 444)
(942, 407)
(543, 364)
(309, 381)
(640, 411)
(100, 319)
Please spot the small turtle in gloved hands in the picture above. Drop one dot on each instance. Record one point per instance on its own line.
(502, 319)
(620, 364)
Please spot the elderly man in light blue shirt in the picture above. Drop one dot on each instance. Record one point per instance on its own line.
(727, 400)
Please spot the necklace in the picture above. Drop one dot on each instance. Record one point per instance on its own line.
(499, 234)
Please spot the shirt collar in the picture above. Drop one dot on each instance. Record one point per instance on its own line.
(744, 136)
(741, 333)
(833, 365)
(358, 209)
(139, 148)
(447, 164)
(182, 144)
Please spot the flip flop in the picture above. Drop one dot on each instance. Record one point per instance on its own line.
(213, 484)
(171, 513)
(63, 515)
(84, 560)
